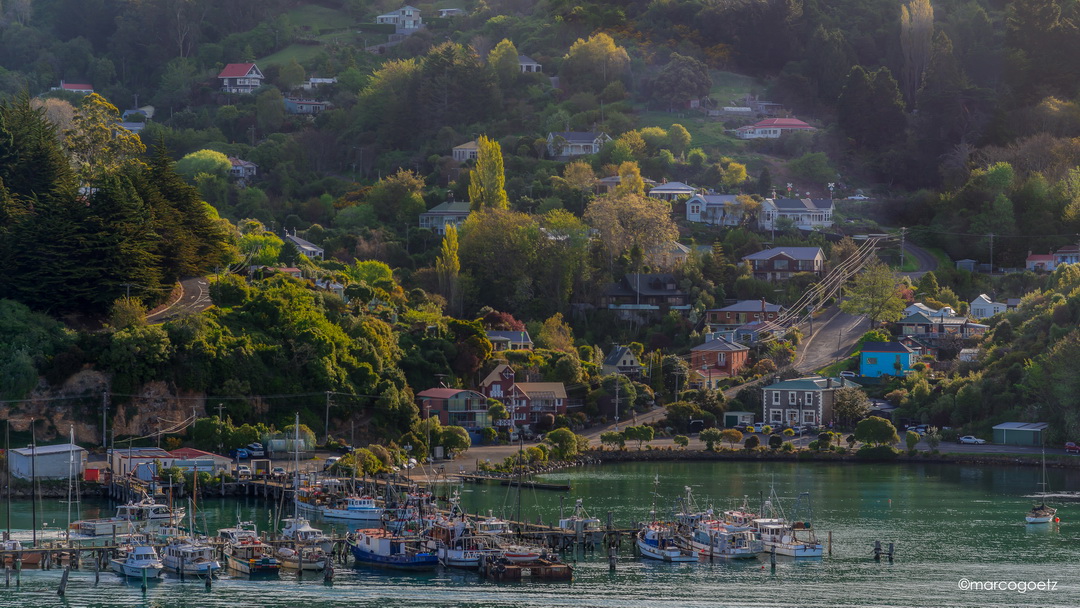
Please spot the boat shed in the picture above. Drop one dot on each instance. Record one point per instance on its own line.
(738, 419)
(51, 461)
(1020, 433)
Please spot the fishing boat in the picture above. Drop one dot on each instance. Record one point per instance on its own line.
(302, 558)
(493, 526)
(713, 538)
(356, 508)
(27, 559)
(657, 541)
(458, 546)
(794, 539)
(245, 551)
(1041, 513)
(580, 522)
(386, 549)
(741, 516)
(299, 530)
(140, 561)
(130, 518)
(522, 553)
(189, 556)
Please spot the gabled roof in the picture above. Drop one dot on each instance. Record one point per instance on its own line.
(796, 253)
(1041, 257)
(719, 344)
(469, 145)
(509, 336)
(238, 162)
(535, 390)
(715, 199)
(885, 347)
(443, 393)
(781, 123)
(42, 450)
(526, 59)
(237, 70)
(450, 207)
(812, 383)
(1022, 426)
(749, 306)
(577, 137)
(70, 86)
(192, 453)
(673, 187)
(495, 375)
(303, 245)
(617, 354)
(801, 204)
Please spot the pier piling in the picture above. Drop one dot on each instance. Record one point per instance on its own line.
(830, 542)
(63, 582)
(877, 550)
(772, 558)
(891, 548)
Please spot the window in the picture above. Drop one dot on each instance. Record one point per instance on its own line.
(776, 397)
(780, 264)
(809, 397)
(808, 417)
(776, 416)
(871, 360)
(791, 397)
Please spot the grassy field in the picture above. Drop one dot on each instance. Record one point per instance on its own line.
(314, 19)
(299, 52)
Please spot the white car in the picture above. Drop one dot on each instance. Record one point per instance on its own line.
(972, 439)
(858, 197)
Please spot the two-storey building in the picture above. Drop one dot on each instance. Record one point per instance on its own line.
(455, 407)
(779, 263)
(240, 78)
(525, 401)
(716, 359)
(741, 313)
(802, 401)
(804, 213)
(885, 359)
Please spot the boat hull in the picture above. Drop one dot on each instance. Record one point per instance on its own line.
(1041, 519)
(664, 555)
(254, 566)
(207, 568)
(417, 562)
(124, 569)
(795, 550)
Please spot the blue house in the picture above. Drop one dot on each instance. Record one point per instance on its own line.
(885, 359)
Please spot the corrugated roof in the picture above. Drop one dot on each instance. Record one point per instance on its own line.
(577, 136)
(749, 306)
(236, 70)
(672, 187)
(1022, 426)
(42, 450)
(542, 389)
(885, 347)
(442, 393)
(512, 336)
(719, 344)
(797, 253)
(450, 207)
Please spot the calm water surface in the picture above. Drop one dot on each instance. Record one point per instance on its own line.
(948, 522)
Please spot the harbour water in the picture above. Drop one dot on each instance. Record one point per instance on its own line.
(950, 524)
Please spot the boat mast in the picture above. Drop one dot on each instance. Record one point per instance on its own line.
(33, 481)
(7, 450)
(521, 468)
(296, 466)
(71, 466)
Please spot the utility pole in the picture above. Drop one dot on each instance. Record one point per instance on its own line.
(104, 418)
(991, 253)
(903, 234)
(617, 383)
(326, 428)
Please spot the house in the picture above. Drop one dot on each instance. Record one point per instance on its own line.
(190, 459)
(528, 66)
(967, 264)
(1069, 254)
(124, 461)
(671, 191)
(466, 151)
(983, 308)
(715, 209)
(509, 340)
(1039, 262)
(760, 106)
(668, 255)
(939, 327)
(805, 213)
(755, 332)
(638, 294)
(968, 355)
(779, 263)
(455, 407)
(406, 20)
(622, 360)
(333, 287)
(772, 128)
(718, 358)
(442, 215)
(307, 248)
(738, 420)
(446, 13)
(292, 271)
(71, 87)
(885, 359)
(565, 144)
(304, 106)
(242, 169)
(47, 461)
(608, 184)
(240, 78)
(920, 308)
(802, 401)
(525, 401)
(742, 312)
(313, 83)
(1020, 433)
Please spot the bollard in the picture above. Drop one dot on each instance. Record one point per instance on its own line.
(772, 558)
(891, 547)
(877, 550)
(144, 580)
(63, 582)
(830, 542)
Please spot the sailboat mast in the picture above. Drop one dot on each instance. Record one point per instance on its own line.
(33, 481)
(296, 466)
(7, 450)
(71, 467)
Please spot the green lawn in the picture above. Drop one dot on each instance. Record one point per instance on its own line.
(299, 52)
(730, 88)
(314, 19)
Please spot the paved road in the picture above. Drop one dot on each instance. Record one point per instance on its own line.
(927, 261)
(833, 336)
(195, 298)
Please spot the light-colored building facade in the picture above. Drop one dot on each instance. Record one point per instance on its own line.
(802, 401)
(47, 461)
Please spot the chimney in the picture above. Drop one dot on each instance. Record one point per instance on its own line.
(828, 383)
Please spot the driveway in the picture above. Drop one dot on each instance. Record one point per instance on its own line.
(927, 261)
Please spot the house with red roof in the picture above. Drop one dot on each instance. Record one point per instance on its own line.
(72, 87)
(772, 128)
(240, 78)
(1039, 262)
(525, 401)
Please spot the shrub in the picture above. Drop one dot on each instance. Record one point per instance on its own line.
(681, 440)
(775, 441)
(752, 442)
(879, 452)
(813, 445)
(711, 437)
(787, 447)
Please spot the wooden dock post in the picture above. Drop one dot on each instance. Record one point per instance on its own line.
(891, 548)
(144, 580)
(97, 567)
(328, 573)
(63, 582)
(830, 542)
(877, 550)
(772, 558)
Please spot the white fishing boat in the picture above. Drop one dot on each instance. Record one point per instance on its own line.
(517, 553)
(458, 546)
(793, 539)
(130, 518)
(657, 541)
(590, 529)
(302, 558)
(189, 556)
(362, 509)
(741, 516)
(300, 531)
(715, 539)
(139, 561)
(493, 526)
(245, 552)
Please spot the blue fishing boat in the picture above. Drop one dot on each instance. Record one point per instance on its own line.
(385, 549)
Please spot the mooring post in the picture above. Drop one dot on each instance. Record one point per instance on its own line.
(830, 542)
(891, 547)
(97, 567)
(772, 558)
(613, 556)
(63, 582)
(877, 550)
(328, 574)
(144, 580)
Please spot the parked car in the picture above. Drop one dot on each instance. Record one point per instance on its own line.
(847, 374)
(345, 449)
(256, 450)
(858, 197)
(331, 461)
(758, 426)
(972, 440)
(243, 471)
(278, 472)
(1072, 448)
(241, 454)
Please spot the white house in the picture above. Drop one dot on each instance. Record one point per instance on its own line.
(240, 78)
(807, 213)
(405, 20)
(772, 128)
(451, 12)
(920, 308)
(309, 249)
(466, 151)
(124, 461)
(575, 143)
(242, 169)
(440, 216)
(715, 209)
(670, 191)
(314, 83)
(47, 462)
(983, 307)
(528, 66)
(72, 87)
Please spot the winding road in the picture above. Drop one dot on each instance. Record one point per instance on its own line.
(194, 298)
